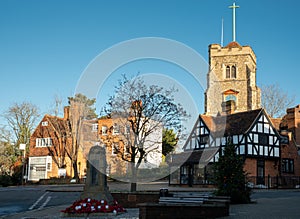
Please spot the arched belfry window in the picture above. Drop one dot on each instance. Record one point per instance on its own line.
(233, 71)
(227, 71)
(230, 71)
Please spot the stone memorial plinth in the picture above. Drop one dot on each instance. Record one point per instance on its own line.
(96, 180)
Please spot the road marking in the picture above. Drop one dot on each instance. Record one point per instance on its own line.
(37, 201)
(45, 203)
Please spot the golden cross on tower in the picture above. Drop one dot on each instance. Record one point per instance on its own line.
(233, 7)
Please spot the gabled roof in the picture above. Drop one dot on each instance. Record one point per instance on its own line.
(233, 124)
(54, 122)
(59, 123)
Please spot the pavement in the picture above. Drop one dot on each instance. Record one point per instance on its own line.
(275, 204)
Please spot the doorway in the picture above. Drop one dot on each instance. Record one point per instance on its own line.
(260, 172)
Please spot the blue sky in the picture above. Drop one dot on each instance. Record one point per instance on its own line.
(46, 45)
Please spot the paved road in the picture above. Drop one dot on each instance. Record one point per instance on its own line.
(21, 199)
(275, 204)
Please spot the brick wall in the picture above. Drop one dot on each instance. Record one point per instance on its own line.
(130, 200)
(182, 211)
(250, 166)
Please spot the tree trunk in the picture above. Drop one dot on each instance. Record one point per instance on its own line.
(133, 184)
(76, 176)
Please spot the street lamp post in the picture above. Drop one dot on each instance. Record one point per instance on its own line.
(23, 149)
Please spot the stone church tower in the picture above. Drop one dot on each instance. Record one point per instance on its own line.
(231, 80)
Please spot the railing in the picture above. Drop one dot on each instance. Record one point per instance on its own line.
(267, 182)
(275, 182)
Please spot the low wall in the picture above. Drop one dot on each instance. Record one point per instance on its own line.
(131, 200)
(182, 211)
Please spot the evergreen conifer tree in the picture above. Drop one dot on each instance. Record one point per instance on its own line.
(230, 177)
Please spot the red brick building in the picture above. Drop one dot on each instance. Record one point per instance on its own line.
(290, 127)
(48, 149)
(51, 141)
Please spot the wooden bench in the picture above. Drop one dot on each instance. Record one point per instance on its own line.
(180, 200)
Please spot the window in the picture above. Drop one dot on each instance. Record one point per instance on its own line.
(49, 163)
(227, 71)
(45, 123)
(287, 165)
(49, 166)
(204, 139)
(127, 129)
(263, 139)
(233, 71)
(126, 148)
(115, 149)
(95, 127)
(116, 129)
(104, 130)
(41, 168)
(43, 142)
(230, 71)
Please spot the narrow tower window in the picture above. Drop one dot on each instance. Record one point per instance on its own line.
(233, 71)
(230, 71)
(227, 71)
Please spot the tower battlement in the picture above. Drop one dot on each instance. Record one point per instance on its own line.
(231, 49)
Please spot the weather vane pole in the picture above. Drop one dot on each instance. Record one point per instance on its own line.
(233, 7)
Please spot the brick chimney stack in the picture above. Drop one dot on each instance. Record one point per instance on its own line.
(66, 112)
(291, 122)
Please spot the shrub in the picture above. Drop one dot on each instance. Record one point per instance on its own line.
(5, 180)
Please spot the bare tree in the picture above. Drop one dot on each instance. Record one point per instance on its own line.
(8, 152)
(56, 106)
(81, 109)
(145, 110)
(275, 101)
(22, 119)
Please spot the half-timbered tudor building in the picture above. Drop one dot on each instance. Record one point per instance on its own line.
(253, 134)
